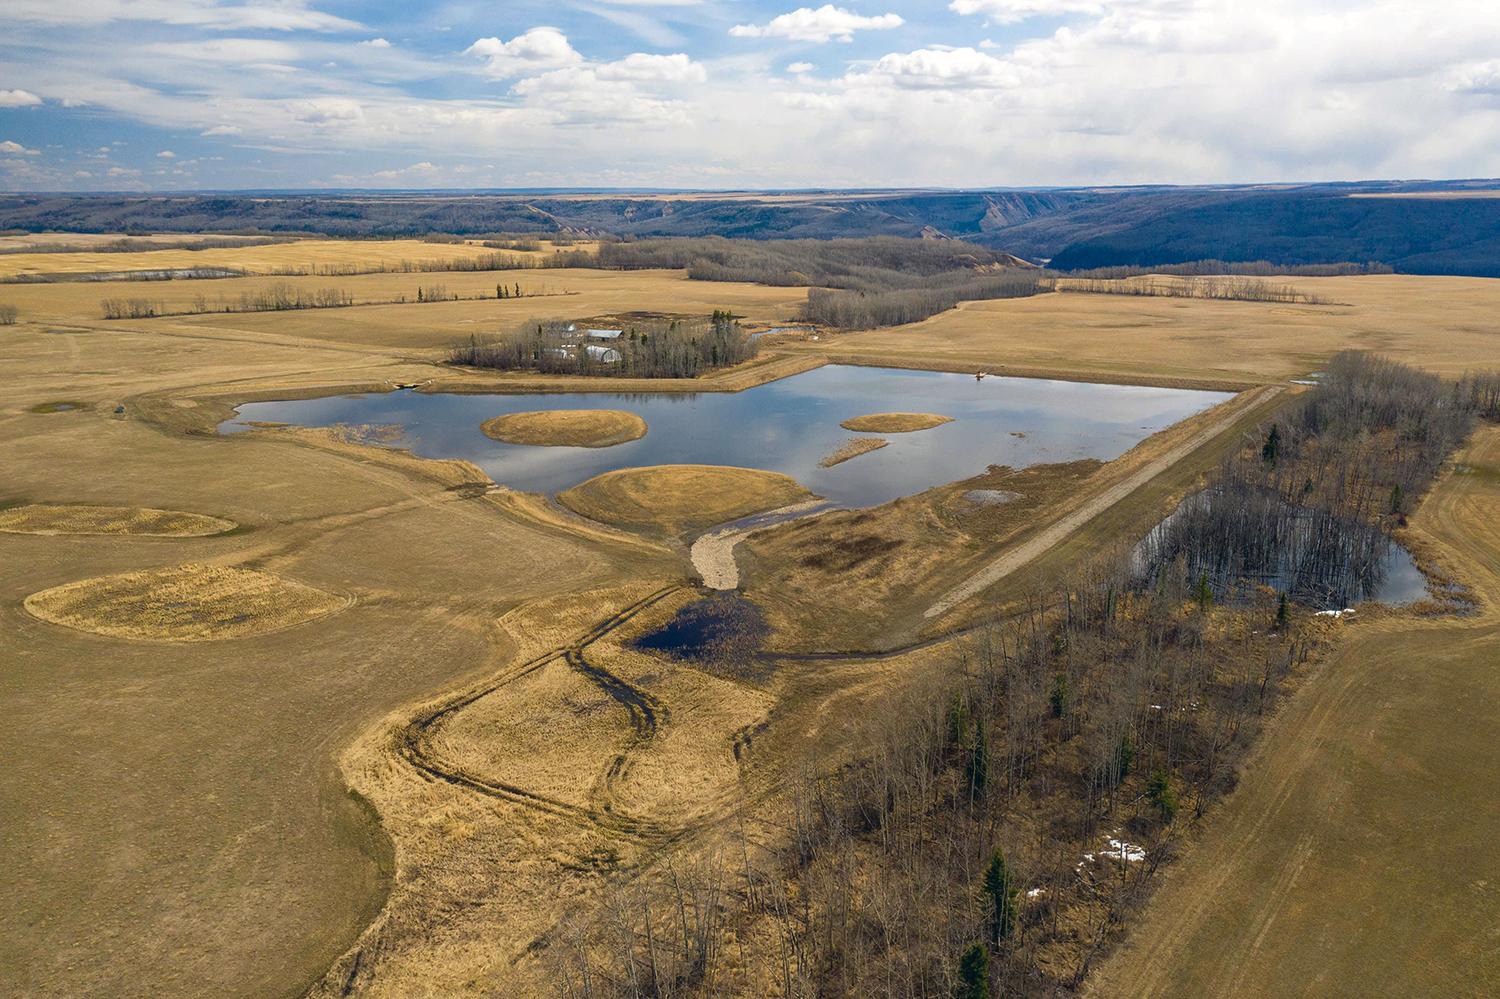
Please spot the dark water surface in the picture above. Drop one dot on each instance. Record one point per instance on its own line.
(786, 426)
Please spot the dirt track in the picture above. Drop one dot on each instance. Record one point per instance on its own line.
(1357, 856)
(1048, 538)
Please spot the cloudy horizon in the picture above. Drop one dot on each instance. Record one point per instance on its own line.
(715, 94)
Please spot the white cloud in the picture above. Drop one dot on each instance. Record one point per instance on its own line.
(222, 130)
(537, 50)
(941, 68)
(801, 67)
(322, 111)
(824, 24)
(123, 172)
(376, 43)
(281, 15)
(16, 149)
(1011, 11)
(166, 154)
(643, 68)
(250, 51)
(1476, 78)
(18, 99)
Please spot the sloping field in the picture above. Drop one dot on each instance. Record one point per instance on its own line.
(275, 258)
(1357, 857)
(1442, 324)
(565, 293)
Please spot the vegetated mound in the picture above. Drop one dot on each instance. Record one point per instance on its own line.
(895, 423)
(185, 603)
(676, 499)
(567, 428)
(49, 519)
(853, 448)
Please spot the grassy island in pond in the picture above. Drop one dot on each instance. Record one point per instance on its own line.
(677, 499)
(567, 428)
(895, 423)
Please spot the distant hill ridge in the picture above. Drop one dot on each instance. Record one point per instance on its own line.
(1072, 228)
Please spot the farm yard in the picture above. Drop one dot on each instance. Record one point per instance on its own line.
(313, 684)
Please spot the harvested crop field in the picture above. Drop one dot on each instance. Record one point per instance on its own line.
(187, 603)
(567, 428)
(677, 499)
(895, 423)
(42, 518)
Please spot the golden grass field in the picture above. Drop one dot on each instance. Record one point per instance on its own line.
(673, 500)
(180, 819)
(895, 423)
(42, 518)
(567, 428)
(1443, 324)
(270, 259)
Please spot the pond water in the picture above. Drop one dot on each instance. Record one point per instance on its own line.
(786, 426)
(1380, 570)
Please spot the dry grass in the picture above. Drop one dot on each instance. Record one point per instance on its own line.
(895, 423)
(1442, 324)
(567, 428)
(1336, 866)
(186, 603)
(277, 257)
(674, 500)
(436, 326)
(41, 518)
(853, 448)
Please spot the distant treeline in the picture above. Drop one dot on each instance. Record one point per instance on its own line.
(1228, 289)
(138, 245)
(285, 297)
(859, 310)
(655, 349)
(1256, 268)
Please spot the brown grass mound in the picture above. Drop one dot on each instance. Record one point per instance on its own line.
(42, 518)
(567, 428)
(853, 448)
(185, 603)
(895, 423)
(675, 499)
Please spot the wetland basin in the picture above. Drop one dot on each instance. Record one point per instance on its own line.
(785, 426)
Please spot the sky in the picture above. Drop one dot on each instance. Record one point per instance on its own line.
(126, 95)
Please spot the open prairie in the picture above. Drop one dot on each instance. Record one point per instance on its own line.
(290, 694)
(547, 294)
(1442, 324)
(292, 256)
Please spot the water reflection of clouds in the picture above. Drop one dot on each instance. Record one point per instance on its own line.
(787, 426)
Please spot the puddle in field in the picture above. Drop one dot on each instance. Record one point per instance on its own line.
(786, 426)
(723, 630)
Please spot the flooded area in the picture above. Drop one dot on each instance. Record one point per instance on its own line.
(787, 426)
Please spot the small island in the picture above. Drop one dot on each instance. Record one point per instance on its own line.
(566, 428)
(895, 423)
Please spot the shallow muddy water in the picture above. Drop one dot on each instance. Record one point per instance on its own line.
(786, 426)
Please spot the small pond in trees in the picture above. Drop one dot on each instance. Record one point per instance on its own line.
(786, 426)
(1304, 556)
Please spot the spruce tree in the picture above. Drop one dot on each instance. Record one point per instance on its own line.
(974, 973)
(1000, 898)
